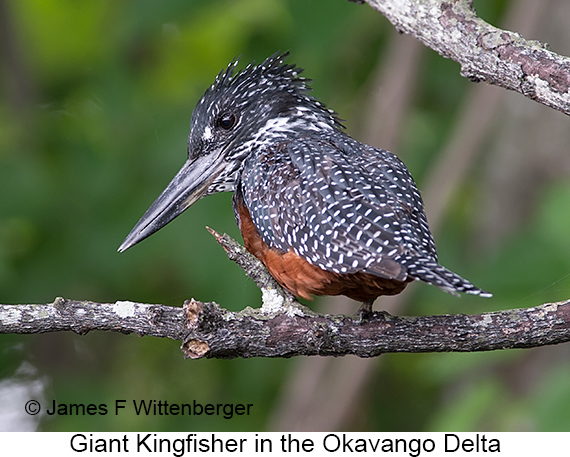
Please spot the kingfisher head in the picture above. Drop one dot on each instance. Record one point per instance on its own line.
(261, 105)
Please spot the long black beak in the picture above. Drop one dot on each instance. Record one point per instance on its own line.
(189, 184)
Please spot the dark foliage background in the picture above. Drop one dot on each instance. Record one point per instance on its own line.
(96, 99)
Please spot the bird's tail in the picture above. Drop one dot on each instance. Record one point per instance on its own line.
(433, 273)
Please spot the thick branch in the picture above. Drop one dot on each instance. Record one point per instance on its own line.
(83, 316)
(251, 334)
(207, 330)
(283, 327)
(485, 53)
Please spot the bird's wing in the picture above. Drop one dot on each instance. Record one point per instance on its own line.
(341, 209)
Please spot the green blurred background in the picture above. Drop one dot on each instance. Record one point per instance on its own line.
(96, 98)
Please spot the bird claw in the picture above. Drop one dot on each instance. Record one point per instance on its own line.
(365, 311)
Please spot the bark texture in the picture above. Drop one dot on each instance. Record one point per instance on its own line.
(207, 330)
(485, 53)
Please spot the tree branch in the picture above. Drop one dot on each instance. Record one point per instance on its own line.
(485, 53)
(283, 327)
(207, 330)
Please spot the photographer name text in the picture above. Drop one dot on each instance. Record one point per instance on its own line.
(146, 408)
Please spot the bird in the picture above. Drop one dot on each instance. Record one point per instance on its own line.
(325, 214)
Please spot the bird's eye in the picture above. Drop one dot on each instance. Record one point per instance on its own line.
(227, 121)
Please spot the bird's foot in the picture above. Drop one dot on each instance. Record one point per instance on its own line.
(365, 310)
